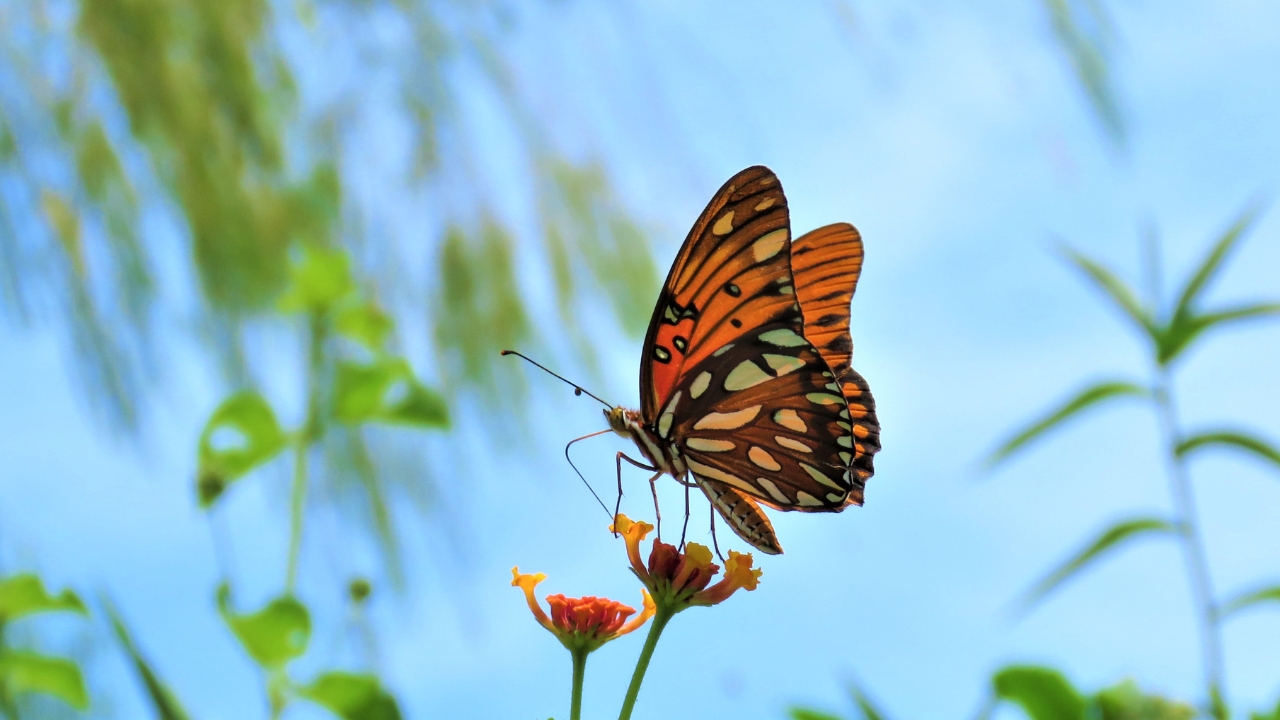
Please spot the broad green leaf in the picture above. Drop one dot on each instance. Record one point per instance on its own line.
(25, 594)
(1109, 539)
(800, 713)
(365, 323)
(1083, 400)
(1183, 330)
(1043, 693)
(1213, 261)
(1126, 702)
(352, 697)
(273, 635)
(1250, 599)
(27, 672)
(241, 435)
(318, 281)
(163, 701)
(1231, 439)
(1117, 291)
(386, 391)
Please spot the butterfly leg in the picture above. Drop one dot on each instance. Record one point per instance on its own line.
(617, 507)
(685, 529)
(714, 543)
(657, 514)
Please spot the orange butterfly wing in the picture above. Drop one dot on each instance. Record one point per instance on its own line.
(826, 264)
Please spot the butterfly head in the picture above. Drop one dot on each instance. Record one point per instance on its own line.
(619, 420)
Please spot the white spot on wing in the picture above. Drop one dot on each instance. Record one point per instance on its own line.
(788, 419)
(664, 422)
(769, 245)
(807, 500)
(718, 474)
(773, 490)
(708, 445)
(724, 225)
(790, 444)
(746, 374)
(699, 385)
(783, 364)
(761, 457)
(816, 474)
(727, 421)
(783, 337)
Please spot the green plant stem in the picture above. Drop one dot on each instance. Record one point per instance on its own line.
(579, 673)
(309, 433)
(1193, 552)
(660, 620)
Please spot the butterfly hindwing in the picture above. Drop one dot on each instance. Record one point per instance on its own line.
(826, 264)
(766, 418)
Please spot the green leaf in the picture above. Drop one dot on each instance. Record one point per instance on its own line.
(799, 713)
(1117, 291)
(386, 391)
(1213, 262)
(163, 701)
(273, 635)
(1088, 52)
(1231, 439)
(1185, 329)
(318, 281)
(1083, 400)
(1109, 539)
(255, 438)
(27, 672)
(365, 323)
(1043, 693)
(1273, 715)
(25, 594)
(1126, 702)
(352, 697)
(1249, 599)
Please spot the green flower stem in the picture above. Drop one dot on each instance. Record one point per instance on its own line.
(1192, 549)
(302, 445)
(579, 672)
(660, 620)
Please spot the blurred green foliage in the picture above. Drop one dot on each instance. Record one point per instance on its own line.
(24, 672)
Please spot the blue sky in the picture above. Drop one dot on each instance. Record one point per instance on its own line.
(953, 136)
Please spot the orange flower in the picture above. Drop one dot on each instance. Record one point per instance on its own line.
(583, 623)
(678, 580)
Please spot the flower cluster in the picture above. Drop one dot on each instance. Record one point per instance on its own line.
(585, 623)
(679, 580)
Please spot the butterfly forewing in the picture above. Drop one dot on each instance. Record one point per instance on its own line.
(732, 273)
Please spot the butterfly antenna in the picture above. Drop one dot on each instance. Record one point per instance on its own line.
(577, 389)
(584, 479)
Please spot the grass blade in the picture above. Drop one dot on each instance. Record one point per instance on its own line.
(1109, 539)
(1183, 330)
(1247, 600)
(1231, 439)
(1213, 261)
(1083, 400)
(799, 713)
(1117, 291)
(865, 706)
(164, 703)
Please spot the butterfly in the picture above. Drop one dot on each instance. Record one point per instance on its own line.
(746, 383)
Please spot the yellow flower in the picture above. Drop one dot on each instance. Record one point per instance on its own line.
(678, 580)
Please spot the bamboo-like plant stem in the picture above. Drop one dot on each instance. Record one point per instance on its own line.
(1193, 552)
(660, 620)
(307, 435)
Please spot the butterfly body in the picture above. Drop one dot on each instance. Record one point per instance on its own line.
(746, 383)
